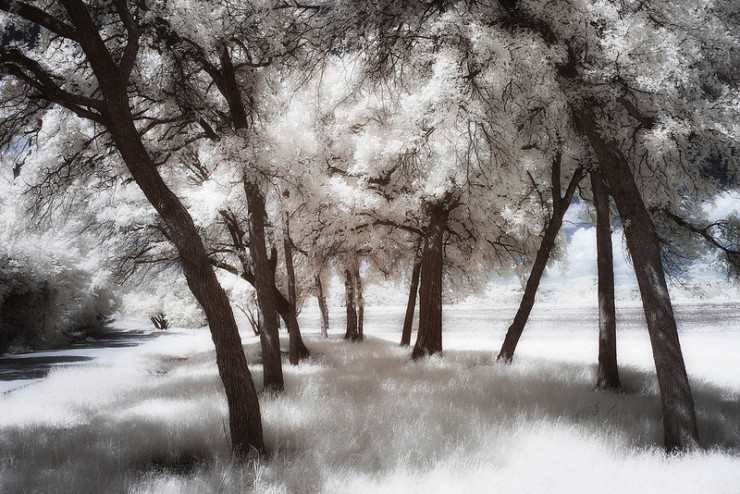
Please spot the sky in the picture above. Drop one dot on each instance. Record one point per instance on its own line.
(580, 261)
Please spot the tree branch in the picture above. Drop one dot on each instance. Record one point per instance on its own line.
(400, 226)
(33, 74)
(574, 181)
(39, 17)
(702, 232)
(647, 122)
(132, 43)
(93, 45)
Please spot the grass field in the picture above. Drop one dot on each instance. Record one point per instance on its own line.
(363, 418)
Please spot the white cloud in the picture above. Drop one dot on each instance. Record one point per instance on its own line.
(723, 205)
(574, 216)
(581, 259)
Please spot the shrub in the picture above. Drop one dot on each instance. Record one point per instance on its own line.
(48, 302)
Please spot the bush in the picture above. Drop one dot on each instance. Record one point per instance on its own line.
(164, 293)
(49, 302)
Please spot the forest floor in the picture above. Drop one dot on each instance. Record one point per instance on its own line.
(361, 417)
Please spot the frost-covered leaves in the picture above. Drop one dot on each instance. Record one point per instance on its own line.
(660, 74)
(435, 130)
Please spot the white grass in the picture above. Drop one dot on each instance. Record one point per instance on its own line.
(363, 418)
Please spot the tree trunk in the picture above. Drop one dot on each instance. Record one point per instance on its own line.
(350, 298)
(533, 282)
(429, 334)
(237, 239)
(679, 416)
(264, 286)
(360, 302)
(115, 114)
(411, 305)
(245, 422)
(608, 373)
(298, 350)
(321, 297)
(560, 207)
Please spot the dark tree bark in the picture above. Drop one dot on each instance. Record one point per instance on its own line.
(429, 334)
(113, 111)
(559, 206)
(608, 372)
(265, 287)
(408, 320)
(679, 416)
(321, 297)
(360, 301)
(298, 350)
(350, 298)
(266, 267)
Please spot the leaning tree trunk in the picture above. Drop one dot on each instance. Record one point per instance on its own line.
(323, 307)
(264, 286)
(110, 107)
(679, 416)
(608, 372)
(245, 422)
(244, 414)
(408, 320)
(429, 334)
(560, 206)
(533, 282)
(350, 301)
(298, 350)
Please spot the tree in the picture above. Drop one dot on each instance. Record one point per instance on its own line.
(245, 268)
(630, 104)
(678, 407)
(83, 61)
(195, 70)
(264, 285)
(408, 319)
(352, 305)
(608, 372)
(602, 79)
(451, 176)
(298, 350)
(429, 339)
(560, 206)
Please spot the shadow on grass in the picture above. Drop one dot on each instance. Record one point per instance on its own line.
(361, 408)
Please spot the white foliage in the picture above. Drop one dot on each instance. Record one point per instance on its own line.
(165, 293)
